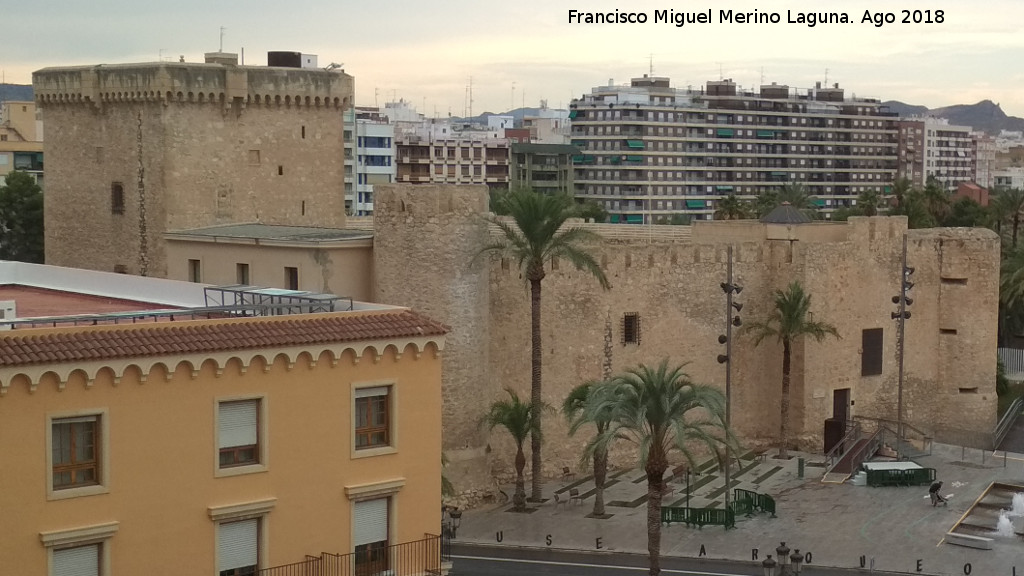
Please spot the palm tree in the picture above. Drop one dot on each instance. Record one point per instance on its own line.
(1008, 204)
(936, 200)
(573, 408)
(790, 319)
(661, 411)
(797, 196)
(868, 203)
(731, 208)
(537, 235)
(515, 416)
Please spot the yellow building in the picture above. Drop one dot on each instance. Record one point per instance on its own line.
(162, 435)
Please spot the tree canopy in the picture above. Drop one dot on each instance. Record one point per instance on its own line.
(21, 219)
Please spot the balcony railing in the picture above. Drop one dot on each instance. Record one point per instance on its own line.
(419, 558)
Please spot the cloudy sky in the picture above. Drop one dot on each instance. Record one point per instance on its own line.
(522, 51)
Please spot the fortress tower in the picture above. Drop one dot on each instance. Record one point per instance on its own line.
(426, 238)
(135, 150)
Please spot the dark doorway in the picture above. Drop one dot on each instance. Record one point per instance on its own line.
(841, 404)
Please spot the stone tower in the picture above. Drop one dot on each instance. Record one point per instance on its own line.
(135, 150)
(426, 238)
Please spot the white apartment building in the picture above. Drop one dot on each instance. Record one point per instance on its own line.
(984, 158)
(932, 147)
(369, 157)
(650, 151)
(1008, 178)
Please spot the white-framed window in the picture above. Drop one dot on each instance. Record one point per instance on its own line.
(77, 456)
(374, 430)
(241, 438)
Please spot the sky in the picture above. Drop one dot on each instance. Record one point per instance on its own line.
(517, 53)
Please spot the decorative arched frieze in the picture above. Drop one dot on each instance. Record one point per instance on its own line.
(114, 370)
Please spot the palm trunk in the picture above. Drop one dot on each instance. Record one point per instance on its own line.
(536, 406)
(600, 473)
(784, 410)
(1016, 223)
(656, 465)
(519, 496)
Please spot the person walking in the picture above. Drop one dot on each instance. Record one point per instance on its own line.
(933, 492)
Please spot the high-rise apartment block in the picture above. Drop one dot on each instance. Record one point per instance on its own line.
(650, 151)
(933, 148)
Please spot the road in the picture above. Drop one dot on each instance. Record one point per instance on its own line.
(476, 560)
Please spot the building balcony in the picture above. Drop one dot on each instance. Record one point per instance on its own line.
(410, 178)
(430, 556)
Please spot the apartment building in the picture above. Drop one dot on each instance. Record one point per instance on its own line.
(543, 167)
(650, 151)
(436, 154)
(21, 139)
(933, 148)
(149, 427)
(369, 157)
(984, 158)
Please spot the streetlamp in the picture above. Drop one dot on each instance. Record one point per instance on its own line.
(901, 317)
(451, 527)
(789, 564)
(729, 288)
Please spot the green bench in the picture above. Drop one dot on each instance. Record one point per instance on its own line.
(699, 517)
(911, 477)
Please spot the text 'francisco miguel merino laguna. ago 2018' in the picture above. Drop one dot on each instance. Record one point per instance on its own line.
(809, 19)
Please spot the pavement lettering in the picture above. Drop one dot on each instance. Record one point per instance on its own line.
(548, 539)
(753, 555)
(703, 551)
(499, 535)
(598, 545)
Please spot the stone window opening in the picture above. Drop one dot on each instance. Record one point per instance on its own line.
(631, 328)
(871, 352)
(116, 198)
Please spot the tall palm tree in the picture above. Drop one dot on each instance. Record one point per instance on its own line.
(1008, 205)
(797, 196)
(573, 409)
(536, 235)
(661, 411)
(516, 417)
(936, 200)
(731, 208)
(789, 320)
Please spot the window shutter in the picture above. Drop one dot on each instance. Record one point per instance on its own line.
(871, 352)
(78, 561)
(370, 392)
(236, 423)
(371, 519)
(237, 545)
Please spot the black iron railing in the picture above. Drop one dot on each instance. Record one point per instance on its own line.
(407, 559)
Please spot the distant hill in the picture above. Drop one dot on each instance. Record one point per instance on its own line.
(985, 115)
(21, 92)
(518, 114)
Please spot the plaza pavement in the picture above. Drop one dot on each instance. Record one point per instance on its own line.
(893, 527)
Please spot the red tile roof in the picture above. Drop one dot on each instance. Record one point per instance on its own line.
(30, 347)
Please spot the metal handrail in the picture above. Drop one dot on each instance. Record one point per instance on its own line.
(925, 438)
(832, 457)
(1006, 422)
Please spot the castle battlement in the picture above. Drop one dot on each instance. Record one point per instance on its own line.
(168, 82)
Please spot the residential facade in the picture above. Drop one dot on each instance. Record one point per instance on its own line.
(306, 437)
(452, 158)
(650, 151)
(544, 168)
(369, 158)
(207, 143)
(21, 139)
(984, 158)
(933, 148)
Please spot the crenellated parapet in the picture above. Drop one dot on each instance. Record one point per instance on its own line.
(169, 82)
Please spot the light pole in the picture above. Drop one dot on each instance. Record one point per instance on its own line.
(730, 288)
(901, 317)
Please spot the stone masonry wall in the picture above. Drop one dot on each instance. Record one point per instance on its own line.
(192, 145)
(425, 241)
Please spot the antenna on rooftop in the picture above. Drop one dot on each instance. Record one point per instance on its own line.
(650, 59)
(762, 75)
(826, 77)
(720, 74)
(222, 29)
